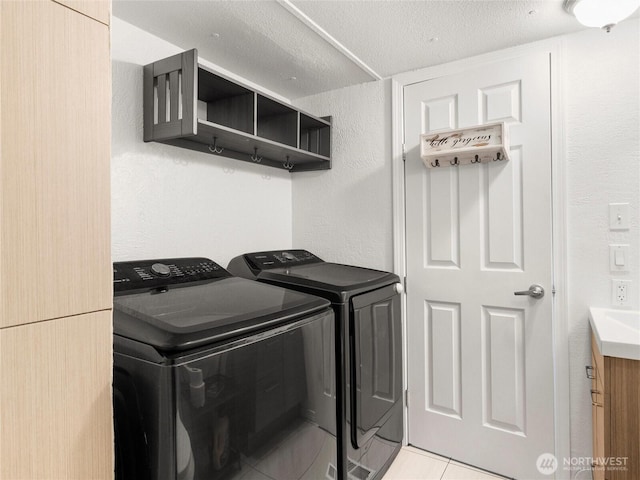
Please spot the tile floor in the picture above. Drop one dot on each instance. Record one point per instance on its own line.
(414, 464)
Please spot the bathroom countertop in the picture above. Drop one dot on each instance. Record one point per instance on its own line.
(617, 332)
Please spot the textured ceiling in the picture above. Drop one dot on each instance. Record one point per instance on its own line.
(302, 47)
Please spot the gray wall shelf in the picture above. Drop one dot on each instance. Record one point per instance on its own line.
(189, 106)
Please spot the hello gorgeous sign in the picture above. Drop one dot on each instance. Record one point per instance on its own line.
(479, 144)
(457, 140)
(468, 137)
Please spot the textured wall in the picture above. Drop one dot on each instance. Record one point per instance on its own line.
(168, 201)
(602, 125)
(344, 214)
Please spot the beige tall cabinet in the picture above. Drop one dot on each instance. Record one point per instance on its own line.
(55, 266)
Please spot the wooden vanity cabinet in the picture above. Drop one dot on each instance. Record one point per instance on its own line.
(615, 408)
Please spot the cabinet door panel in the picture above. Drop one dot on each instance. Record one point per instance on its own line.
(622, 416)
(99, 10)
(55, 400)
(55, 139)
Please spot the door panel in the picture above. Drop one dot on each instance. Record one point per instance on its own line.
(443, 346)
(480, 358)
(500, 103)
(501, 214)
(503, 368)
(442, 219)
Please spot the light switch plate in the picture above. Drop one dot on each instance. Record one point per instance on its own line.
(618, 216)
(619, 254)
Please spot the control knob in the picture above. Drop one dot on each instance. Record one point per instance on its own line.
(161, 270)
(288, 256)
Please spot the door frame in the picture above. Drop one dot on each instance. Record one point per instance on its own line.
(562, 433)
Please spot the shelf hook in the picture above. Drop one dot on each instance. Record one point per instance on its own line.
(255, 157)
(437, 164)
(288, 165)
(476, 160)
(455, 162)
(213, 148)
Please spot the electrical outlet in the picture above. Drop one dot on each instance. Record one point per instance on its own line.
(620, 290)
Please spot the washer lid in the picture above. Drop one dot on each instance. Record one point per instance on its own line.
(329, 277)
(191, 316)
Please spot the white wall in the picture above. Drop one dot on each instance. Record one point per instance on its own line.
(345, 214)
(602, 125)
(171, 202)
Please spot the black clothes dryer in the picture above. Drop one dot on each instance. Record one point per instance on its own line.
(369, 350)
(218, 377)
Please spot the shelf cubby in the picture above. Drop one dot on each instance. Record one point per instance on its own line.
(226, 102)
(315, 135)
(277, 122)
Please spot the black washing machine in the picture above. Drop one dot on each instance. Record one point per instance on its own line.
(218, 377)
(368, 350)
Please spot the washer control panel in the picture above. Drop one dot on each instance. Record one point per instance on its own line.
(280, 259)
(151, 274)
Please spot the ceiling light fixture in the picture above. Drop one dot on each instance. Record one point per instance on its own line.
(601, 13)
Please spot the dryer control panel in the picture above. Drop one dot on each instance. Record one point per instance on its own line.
(152, 274)
(279, 259)
(250, 265)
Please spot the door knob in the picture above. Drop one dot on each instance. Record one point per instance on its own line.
(535, 291)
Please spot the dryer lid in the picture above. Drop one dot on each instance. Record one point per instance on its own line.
(333, 277)
(178, 319)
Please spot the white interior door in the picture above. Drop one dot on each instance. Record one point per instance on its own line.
(480, 363)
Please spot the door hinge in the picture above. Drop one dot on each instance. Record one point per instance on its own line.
(404, 154)
(405, 285)
(553, 289)
(406, 398)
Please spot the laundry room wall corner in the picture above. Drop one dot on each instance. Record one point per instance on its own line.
(173, 202)
(345, 214)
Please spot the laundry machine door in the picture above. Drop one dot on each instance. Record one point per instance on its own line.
(375, 338)
(259, 406)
